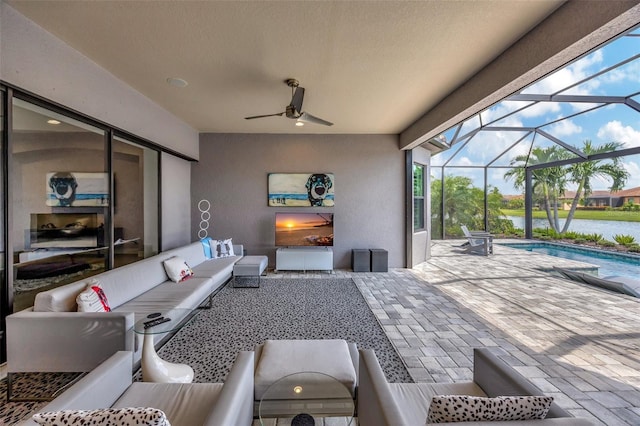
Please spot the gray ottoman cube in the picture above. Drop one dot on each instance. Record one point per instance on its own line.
(247, 271)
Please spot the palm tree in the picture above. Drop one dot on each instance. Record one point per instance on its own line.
(582, 174)
(550, 183)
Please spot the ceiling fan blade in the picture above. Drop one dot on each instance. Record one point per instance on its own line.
(262, 116)
(296, 100)
(308, 118)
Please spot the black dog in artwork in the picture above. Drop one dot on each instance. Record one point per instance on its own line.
(63, 185)
(318, 186)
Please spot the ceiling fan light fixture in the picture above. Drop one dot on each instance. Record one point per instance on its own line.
(177, 82)
(299, 123)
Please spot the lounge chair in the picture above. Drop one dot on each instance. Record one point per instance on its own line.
(477, 241)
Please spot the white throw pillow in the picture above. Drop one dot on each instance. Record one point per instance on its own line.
(224, 248)
(130, 416)
(464, 408)
(93, 299)
(177, 269)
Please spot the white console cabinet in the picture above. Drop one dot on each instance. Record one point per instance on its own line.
(304, 259)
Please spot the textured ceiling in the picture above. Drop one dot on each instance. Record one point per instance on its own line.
(368, 67)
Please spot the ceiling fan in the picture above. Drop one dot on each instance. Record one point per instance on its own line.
(294, 109)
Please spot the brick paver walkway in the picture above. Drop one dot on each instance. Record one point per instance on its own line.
(575, 342)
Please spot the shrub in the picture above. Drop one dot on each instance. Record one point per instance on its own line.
(625, 240)
(580, 240)
(594, 237)
(607, 243)
(571, 235)
(544, 237)
(634, 248)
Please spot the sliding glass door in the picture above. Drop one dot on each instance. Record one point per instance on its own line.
(60, 202)
(135, 217)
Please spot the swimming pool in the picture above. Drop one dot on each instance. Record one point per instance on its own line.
(609, 263)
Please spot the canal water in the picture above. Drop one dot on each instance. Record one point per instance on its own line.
(608, 228)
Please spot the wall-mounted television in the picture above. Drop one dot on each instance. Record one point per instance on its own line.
(304, 229)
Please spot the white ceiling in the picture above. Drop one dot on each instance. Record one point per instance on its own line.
(368, 67)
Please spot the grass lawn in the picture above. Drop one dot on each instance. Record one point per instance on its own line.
(582, 214)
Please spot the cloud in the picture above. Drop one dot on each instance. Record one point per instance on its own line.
(614, 131)
(634, 173)
(564, 128)
(500, 110)
(569, 75)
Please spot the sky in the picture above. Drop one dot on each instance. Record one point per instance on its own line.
(598, 122)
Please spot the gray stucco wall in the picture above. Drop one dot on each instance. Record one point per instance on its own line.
(369, 194)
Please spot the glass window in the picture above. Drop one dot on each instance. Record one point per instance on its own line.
(135, 219)
(418, 197)
(60, 201)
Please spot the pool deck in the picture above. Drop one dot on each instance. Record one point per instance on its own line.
(578, 343)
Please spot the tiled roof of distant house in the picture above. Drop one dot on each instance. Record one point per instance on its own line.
(595, 194)
(631, 192)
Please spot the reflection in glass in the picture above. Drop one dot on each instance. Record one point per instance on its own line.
(135, 174)
(418, 197)
(60, 201)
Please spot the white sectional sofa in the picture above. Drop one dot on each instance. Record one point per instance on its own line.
(52, 337)
(185, 404)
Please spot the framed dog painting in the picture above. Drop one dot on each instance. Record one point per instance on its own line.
(301, 190)
(75, 189)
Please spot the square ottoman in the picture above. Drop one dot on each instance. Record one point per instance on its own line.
(249, 269)
(276, 359)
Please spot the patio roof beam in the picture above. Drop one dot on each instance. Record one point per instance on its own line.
(455, 135)
(615, 154)
(584, 111)
(460, 149)
(511, 129)
(508, 149)
(510, 113)
(599, 73)
(633, 104)
(562, 144)
(568, 98)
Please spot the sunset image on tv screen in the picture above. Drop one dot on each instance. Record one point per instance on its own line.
(304, 229)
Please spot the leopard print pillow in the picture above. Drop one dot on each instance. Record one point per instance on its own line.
(131, 416)
(464, 408)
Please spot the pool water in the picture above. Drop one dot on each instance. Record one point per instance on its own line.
(609, 263)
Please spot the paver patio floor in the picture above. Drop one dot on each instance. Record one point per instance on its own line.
(575, 342)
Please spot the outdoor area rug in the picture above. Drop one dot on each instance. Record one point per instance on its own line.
(39, 385)
(326, 308)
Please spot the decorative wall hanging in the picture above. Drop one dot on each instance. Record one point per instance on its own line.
(77, 189)
(204, 206)
(301, 190)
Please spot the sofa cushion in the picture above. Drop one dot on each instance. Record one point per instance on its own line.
(224, 248)
(128, 416)
(59, 299)
(127, 282)
(280, 358)
(193, 253)
(177, 269)
(184, 404)
(93, 299)
(466, 408)
(206, 246)
(166, 296)
(413, 399)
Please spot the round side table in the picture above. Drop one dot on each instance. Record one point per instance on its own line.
(300, 399)
(155, 369)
